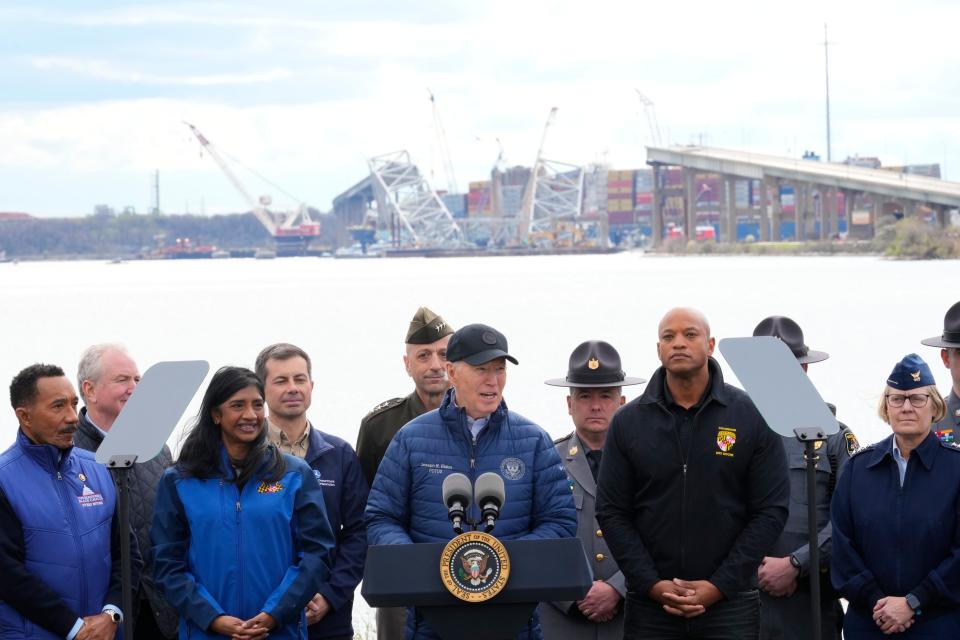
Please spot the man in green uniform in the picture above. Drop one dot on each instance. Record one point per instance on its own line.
(949, 342)
(426, 363)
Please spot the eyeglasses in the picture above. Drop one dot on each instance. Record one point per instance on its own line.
(918, 400)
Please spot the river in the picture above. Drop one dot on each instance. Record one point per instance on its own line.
(351, 317)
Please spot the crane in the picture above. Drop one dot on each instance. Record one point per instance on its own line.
(650, 111)
(526, 209)
(444, 148)
(291, 228)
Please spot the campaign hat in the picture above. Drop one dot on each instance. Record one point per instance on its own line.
(594, 364)
(950, 339)
(787, 330)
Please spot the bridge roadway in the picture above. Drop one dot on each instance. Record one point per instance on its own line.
(881, 187)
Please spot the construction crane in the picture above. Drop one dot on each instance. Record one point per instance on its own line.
(444, 148)
(650, 111)
(291, 231)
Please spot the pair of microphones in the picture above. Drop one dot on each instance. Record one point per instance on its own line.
(457, 492)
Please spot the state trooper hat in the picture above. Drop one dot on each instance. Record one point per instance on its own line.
(476, 344)
(594, 364)
(951, 331)
(788, 331)
(910, 373)
(427, 327)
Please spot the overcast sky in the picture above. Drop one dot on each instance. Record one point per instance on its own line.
(92, 94)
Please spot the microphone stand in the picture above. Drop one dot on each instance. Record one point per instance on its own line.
(810, 436)
(120, 466)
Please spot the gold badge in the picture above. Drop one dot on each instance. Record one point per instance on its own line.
(915, 376)
(726, 438)
(474, 566)
(593, 363)
(82, 477)
(852, 444)
(573, 451)
(817, 444)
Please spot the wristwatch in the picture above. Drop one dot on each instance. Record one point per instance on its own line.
(914, 603)
(114, 615)
(795, 563)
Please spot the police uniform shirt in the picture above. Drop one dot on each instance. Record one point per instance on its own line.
(948, 428)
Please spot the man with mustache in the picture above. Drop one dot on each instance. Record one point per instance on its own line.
(107, 376)
(59, 528)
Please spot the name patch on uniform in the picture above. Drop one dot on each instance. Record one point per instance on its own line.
(436, 467)
(89, 498)
(512, 468)
(273, 487)
(726, 438)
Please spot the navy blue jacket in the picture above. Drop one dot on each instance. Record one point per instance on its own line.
(336, 467)
(891, 541)
(406, 502)
(59, 540)
(223, 550)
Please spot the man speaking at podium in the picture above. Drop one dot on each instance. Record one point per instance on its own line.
(471, 433)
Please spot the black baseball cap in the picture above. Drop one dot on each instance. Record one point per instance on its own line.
(476, 344)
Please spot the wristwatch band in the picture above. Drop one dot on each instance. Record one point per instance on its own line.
(914, 603)
(795, 563)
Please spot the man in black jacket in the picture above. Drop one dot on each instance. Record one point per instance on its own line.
(106, 377)
(692, 493)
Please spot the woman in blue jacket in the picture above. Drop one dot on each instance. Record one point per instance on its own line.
(240, 531)
(896, 520)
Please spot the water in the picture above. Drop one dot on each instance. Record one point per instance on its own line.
(351, 317)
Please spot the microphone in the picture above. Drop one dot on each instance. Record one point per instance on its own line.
(490, 496)
(456, 495)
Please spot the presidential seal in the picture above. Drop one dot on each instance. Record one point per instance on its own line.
(474, 566)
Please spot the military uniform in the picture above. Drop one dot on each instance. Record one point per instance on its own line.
(378, 428)
(949, 428)
(564, 619)
(789, 617)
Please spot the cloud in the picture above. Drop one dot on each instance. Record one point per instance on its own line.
(104, 70)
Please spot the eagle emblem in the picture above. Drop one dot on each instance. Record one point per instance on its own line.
(915, 376)
(475, 569)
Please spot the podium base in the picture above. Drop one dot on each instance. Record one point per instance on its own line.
(459, 621)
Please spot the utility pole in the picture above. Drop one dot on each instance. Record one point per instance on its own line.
(155, 209)
(826, 62)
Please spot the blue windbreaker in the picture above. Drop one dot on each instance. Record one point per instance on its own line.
(223, 551)
(406, 503)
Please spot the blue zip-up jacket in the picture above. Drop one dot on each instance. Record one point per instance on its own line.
(223, 550)
(406, 502)
(57, 555)
(890, 540)
(336, 467)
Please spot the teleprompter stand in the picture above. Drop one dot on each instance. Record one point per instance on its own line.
(789, 403)
(139, 433)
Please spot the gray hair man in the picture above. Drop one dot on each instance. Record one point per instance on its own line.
(106, 378)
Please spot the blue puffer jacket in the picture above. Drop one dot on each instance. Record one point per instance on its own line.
(64, 502)
(220, 551)
(406, 503)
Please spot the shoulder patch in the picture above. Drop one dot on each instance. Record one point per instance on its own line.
(852, 444)
(953, 446)
(564, 438)
(383, 406)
